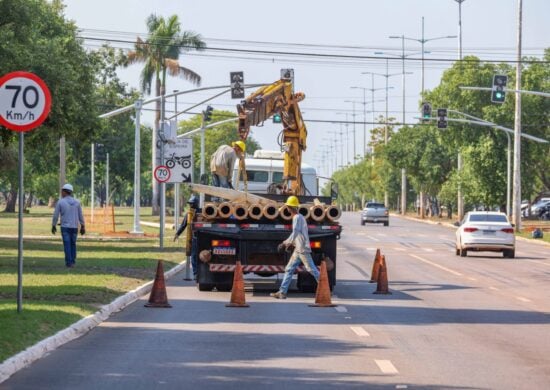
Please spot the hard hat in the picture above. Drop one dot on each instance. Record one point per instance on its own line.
(193, 201)
(67, 187)
(240, 144)
(292, 201)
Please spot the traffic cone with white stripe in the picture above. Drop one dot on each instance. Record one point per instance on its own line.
(375, 267)
(237, 292)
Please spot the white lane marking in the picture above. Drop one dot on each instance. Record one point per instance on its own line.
(401, 386)
(493, 288)
(523, 299)
(400, 249)
(341, 309)
(372, 249)
(437, 265)
(386, 366)
(428, 249)
(472, 279)
(347, 318)
(359, 331)
(373, 238)
(381, 234)
(361, 234)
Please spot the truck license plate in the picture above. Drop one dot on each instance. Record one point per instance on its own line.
(224, 251)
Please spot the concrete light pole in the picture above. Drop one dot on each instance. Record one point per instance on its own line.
(354, 139)
(517, 130)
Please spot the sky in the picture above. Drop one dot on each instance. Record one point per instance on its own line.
(345, 27)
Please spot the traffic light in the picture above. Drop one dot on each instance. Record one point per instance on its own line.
(426, 111)
(237, 88)
(277, 118)
(441, 118)
(207, 114)
(498, 95)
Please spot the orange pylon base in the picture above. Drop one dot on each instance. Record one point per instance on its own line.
(322, 295)
(158, 297)
(237, 292)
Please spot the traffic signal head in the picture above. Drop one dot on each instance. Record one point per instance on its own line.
(237, 85)
(426, 110)
(207, 114)
(441, 118)
(498, 95)
(277, 118)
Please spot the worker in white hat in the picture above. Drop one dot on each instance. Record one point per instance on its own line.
(70, 211)
(222, 162)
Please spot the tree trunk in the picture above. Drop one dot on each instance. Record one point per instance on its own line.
(28, 202)
(11, 200)
(51, 202)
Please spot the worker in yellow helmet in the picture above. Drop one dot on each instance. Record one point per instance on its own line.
(299, 238)
(222, 162)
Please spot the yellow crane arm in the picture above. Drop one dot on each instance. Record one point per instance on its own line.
(263, 104)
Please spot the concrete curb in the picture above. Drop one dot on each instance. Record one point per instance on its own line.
(79, 328)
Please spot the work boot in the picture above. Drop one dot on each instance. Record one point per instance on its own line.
(278, 295)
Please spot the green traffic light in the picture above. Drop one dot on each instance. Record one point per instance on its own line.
(499, 95)
(277, 118)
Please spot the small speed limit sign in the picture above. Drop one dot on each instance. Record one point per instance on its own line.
(162, 173)
(25, 101)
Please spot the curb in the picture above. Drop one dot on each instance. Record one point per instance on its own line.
(79, 328)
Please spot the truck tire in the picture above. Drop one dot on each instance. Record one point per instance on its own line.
(224, 286)
(386, 224)
(509, 253)
(362, 223)
(463, 252)
(205, 286)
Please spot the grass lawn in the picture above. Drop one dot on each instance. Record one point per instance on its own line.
(55, 296)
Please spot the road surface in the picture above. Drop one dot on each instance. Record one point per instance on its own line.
(480, 322)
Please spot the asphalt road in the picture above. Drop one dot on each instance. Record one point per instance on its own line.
(481, 322)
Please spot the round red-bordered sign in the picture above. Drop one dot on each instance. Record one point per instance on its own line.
(25, 101)
(162, 173)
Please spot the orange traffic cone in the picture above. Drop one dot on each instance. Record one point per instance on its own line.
(158, 297)
(375, 267)
(237, 292)
(322, 295)
(382, 285)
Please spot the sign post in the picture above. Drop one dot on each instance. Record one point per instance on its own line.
(25, 103)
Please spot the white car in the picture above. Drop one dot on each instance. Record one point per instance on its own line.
(485, 231)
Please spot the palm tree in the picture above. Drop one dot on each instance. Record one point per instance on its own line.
(160, 52)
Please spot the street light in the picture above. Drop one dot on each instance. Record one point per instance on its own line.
(354, 139)
(347, 135)
(422, 42)
(365, 112)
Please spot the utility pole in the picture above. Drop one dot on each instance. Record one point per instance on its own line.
(517, 130)
(107, 179)
(62, 162)
(92, 185)
(137, 167)
(176, 185)
(460, 28)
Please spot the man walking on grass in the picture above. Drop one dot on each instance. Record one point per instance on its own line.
(70, 211)
(299, 238)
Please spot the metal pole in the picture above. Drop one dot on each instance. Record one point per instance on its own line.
(162, 185)
(354, 138)
(372, 98)
(422, 41)
(508, 176)
(342, 142)
(176, 185)
(460, 205)
(347, 138)
(20, 228)
(460, 29)
(201, 196)
(517, 130)
(137, 167)
(365, 121)
(386, 195)
(403, 79)
(92, 185)
(403, 191)
(107, 179)
(460, 201)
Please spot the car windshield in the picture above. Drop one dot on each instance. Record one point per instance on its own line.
(488, 218)
(374, 205)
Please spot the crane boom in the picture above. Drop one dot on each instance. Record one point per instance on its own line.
(278, 97)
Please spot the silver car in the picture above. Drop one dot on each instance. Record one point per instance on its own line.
(485, 231)
(375, 212)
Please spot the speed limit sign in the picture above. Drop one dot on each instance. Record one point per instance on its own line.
(25, 101)
(162, 173)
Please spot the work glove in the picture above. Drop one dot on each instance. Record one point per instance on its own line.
(230, 185)
(82, 230)
(54, 229)
(281, 248)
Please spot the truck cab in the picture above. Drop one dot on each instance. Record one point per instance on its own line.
(264, 172)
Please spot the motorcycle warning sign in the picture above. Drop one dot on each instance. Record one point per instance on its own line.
(178, 157)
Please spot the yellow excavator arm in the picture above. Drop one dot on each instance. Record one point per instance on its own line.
(263, 104)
